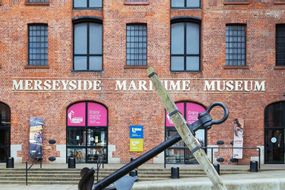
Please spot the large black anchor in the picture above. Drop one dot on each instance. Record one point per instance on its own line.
(204, 121)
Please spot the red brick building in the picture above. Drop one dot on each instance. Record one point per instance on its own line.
(79, 67)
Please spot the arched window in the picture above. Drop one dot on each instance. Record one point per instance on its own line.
(87, 131)
(87, 47)
(5, 123)
(179, 153)
(185, 45)
(274, 126)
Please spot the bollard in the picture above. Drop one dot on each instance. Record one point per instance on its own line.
(10, 162)
(220, 142)
(217, 167)
(133, 173)
(234, 160)
(220, 159)
(52, 158)
(174, 172)
(253, 166)
(71, 162)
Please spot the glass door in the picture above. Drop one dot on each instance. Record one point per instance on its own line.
(5, 124)
(174, 154)
(76, 143)
(87, 129)
(274, 142)
(178, 153)
(87, 144)
(4, 143)
(96, 144)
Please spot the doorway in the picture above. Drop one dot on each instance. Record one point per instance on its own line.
(5, 122)
(87, 132)
(179, 153)
(274, 127)
(274, 142)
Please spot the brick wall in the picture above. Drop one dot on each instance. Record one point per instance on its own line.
(137, 108)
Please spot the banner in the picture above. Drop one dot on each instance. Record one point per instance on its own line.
(76, 115)
(238, 138)
(36, 138)
(97, 115)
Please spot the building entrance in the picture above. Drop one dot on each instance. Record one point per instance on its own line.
(4, 143)
(5, 122)
(274, 133)
(275, 146)
(179, 153)
(87, 134)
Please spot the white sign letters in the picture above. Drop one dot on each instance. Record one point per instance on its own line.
(140, 85)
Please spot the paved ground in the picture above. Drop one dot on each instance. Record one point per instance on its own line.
(264, 180)
(38, 187)
(267, 180)
(153, 166)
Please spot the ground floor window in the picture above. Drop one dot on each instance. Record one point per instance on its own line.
(5, 123)
(274, 130)
(179, 153)
(87, 132)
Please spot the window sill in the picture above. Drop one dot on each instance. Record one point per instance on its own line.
(185, 8)
(87, 8)
(275, 68)
(136, 3)
(36, 67)
(185, 71)
(236, 3)
(235, 67)
(36, 4)
(135, 67)
(86, 71)
(279, 2)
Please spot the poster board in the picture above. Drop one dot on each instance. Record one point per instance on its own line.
(36, 138)
(238, 129)
(136, 145)
(136, 138)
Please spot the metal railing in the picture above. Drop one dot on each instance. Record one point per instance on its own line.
(231, 148)
(28, 168)
(100, 162)
(228, 148)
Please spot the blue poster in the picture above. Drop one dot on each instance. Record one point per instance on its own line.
(136, 131)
